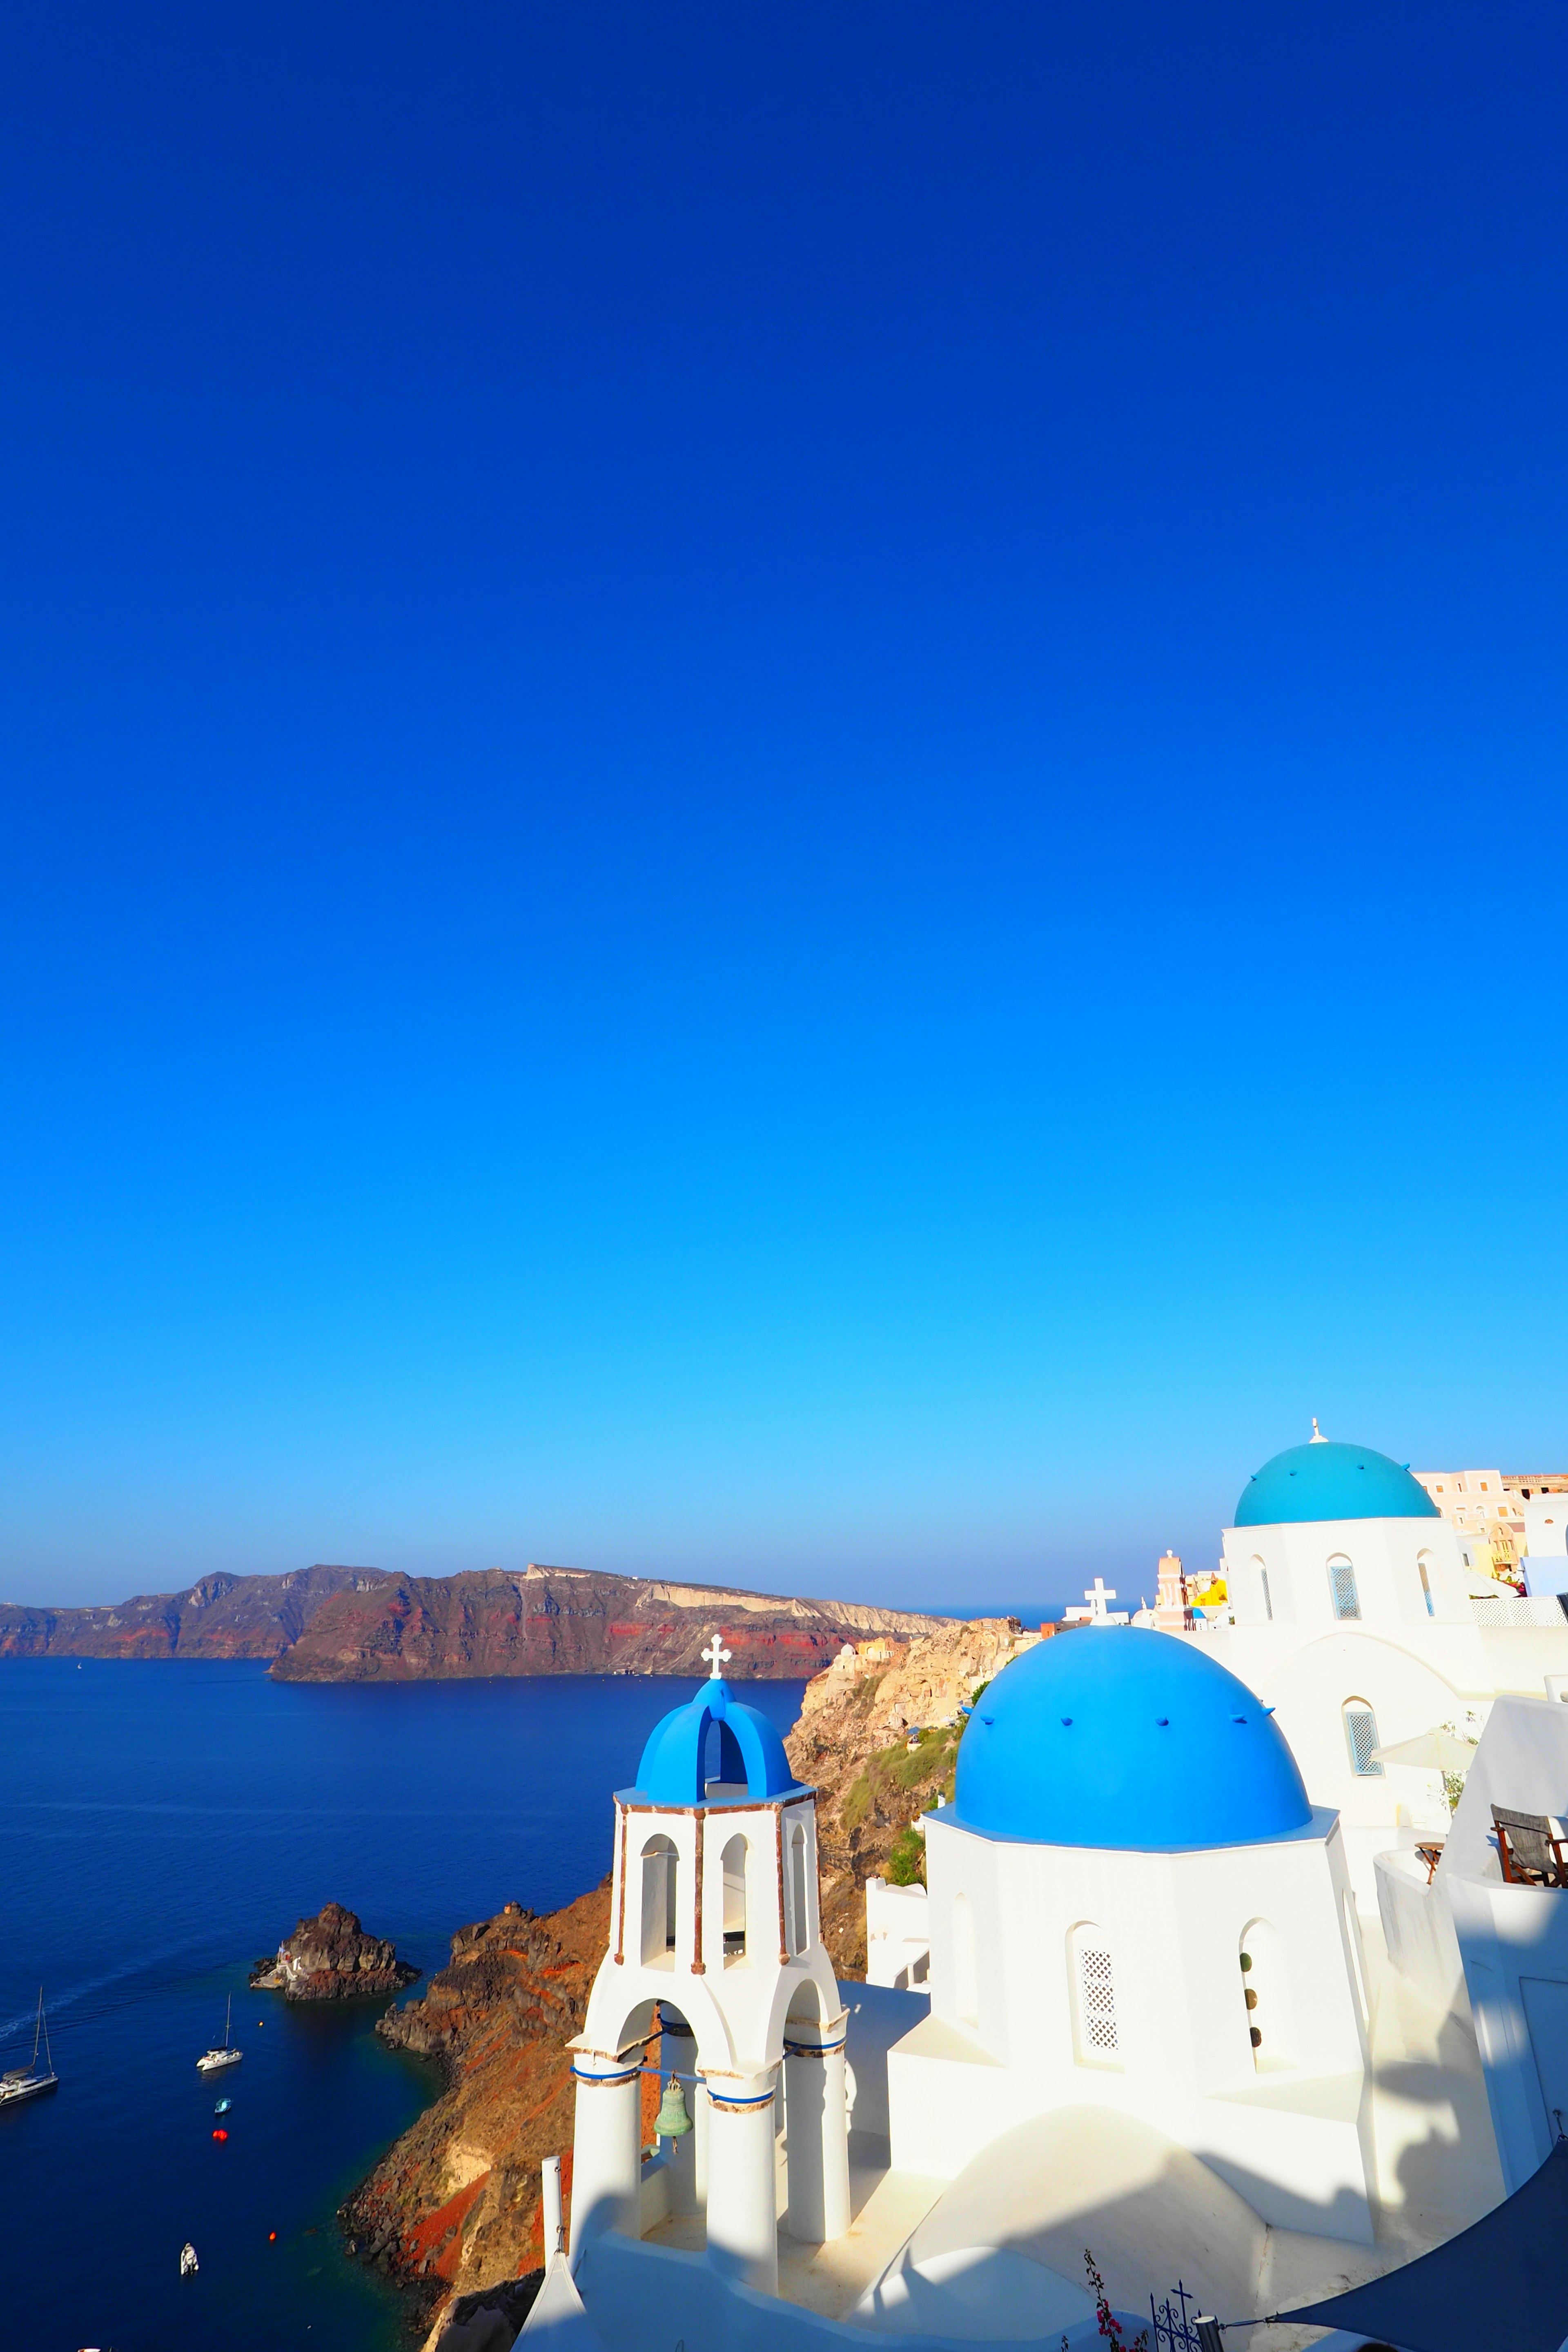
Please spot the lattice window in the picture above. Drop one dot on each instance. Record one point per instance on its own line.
(1361, 1738)
(1096, 2002)
(1341, 1587)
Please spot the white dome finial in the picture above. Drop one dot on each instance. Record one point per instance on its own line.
(718, 1657)
(1317, 1437)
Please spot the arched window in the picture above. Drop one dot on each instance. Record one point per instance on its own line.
(1093, 1982)
(1265, 1997)
(733, 1863)
(965, 1977)
(660, 1874)
(1342, 1594)
(794, 1882)
(1267, 1596)
(1421, 1565)
(1361, 1738)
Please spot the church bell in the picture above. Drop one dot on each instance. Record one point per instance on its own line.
(673, 2118)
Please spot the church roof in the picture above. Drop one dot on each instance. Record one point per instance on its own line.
(1113, 1736)
(713, 1737)
(1322, 1480)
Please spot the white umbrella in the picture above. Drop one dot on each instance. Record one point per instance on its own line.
(1434, 1751)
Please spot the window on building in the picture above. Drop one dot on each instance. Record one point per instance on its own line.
(1342, 1590)
(1361, 1738)
(1426, 1585)
(733, 1862)
(1266, 1996)
(800, 1916)
(1267, 1597)
(1094, 1997)
(965, 1976)
(660, 1876)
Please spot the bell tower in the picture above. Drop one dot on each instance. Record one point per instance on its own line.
(715, 1934)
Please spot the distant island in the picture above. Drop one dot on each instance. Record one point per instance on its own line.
(366, 1624)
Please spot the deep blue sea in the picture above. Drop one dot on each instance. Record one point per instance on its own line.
(163, 1824)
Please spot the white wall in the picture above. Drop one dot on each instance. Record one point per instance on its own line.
(1387, 1556)
(1291, 2138)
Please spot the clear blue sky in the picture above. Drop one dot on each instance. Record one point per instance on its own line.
(784, 785)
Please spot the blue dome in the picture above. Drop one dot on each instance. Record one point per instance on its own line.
(1322, 1480)
(681, 1756)
(1113, 1736)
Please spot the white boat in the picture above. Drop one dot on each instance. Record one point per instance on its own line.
(211, 2060)
(188, 2263)
(31, 2082)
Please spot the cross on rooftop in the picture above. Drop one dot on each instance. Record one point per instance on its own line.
(1098, 1595)
(721, 1657)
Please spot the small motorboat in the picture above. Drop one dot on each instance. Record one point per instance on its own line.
(189, 2266)
(211, 2060)
(223, 2106)
(19, 2083)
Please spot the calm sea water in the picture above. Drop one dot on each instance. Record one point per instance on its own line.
(163, 1824)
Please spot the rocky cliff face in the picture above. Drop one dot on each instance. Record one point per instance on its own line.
(852, 1743)
(220, 1617)
(454, 2206)
(330, 1957)
(566, 1620)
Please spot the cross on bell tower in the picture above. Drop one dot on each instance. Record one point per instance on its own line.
(719, 1657)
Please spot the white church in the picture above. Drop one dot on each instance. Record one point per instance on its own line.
(1195, 2001)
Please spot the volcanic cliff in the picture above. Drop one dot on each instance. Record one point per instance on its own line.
(220, 1616)
(572, 1620)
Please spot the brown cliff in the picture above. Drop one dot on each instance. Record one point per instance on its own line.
(330, 1957)
(571, 1620)
(852, 1743)
(221, 1616)
(455, 2204)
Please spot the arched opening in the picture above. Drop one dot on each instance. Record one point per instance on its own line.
(1361, 1738)
(1265, 1997)
(1092, 1979)
(733, 1864)
(660, 1889)
(795, 1879)
(1267, 1596)
(1422, 1564)
(723, 1765)
(965, 1975)
(1342, 1594)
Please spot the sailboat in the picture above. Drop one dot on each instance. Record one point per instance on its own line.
(26, 2082)
(211, 2060)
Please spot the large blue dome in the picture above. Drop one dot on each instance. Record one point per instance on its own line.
(1113, 1736)
(713, 1738)
(1322, 1480)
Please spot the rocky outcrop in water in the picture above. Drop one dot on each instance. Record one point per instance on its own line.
(330, 1957)
(571, 1620)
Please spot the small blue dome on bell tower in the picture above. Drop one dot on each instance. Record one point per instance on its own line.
(713, 1742)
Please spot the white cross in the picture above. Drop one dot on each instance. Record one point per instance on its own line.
(1097, 1599)
(721, 1657)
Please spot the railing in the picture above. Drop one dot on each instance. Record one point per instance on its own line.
(1517, 1612)
(1174, 2331)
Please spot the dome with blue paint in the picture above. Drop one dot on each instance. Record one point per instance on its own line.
(1325, 1480)
(713, 1750)
(1116, 1736)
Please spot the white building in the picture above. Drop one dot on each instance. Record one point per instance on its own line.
(1357, 1620)
(1133, 1905)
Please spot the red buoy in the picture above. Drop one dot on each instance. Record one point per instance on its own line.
(220, 2134)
